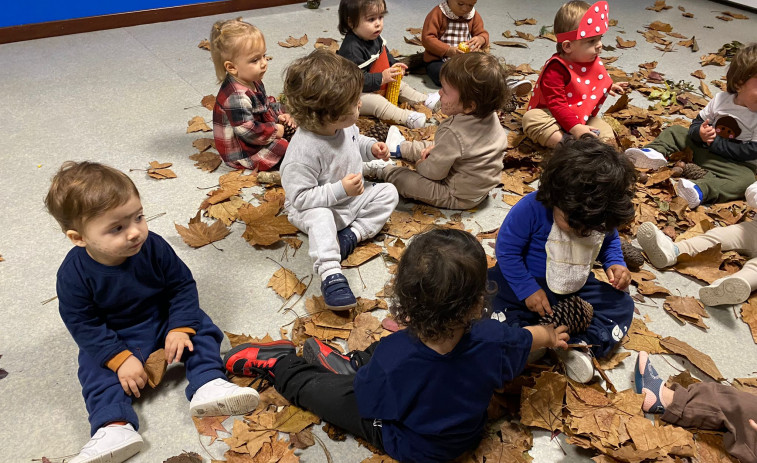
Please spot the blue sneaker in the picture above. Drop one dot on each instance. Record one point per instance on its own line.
(648, 383)
(337, 294)
(347, 242)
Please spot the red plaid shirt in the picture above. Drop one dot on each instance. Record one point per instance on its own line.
(244, 126)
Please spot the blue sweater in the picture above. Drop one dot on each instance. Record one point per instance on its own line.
(521, 246)
(109, 309)
(433, 406)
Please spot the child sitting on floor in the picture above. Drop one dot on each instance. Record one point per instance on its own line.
(573, 83)
(702, 405)
(419, 394)
(548, 242)
(361, 22)
(723, 139)
(322, 172)
(464, 162)
(248, 125)
(449, 24)
(123, 293)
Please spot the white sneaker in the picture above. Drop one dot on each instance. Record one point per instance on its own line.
(375, 169)
(393, 139)
(415, 120)
(687, 190)
(646, 158)
(578, 365)
(729, 290)
(658, 246)
(220, 397)
(110, 444)
(520, 87)
(751, 195)
(432, 100)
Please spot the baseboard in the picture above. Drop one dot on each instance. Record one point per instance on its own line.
(133, 18)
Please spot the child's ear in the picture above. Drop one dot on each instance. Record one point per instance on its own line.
(470, 108)
(567, 45)
(230, 68)
(76, 238)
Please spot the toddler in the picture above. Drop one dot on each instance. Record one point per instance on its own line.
(123, 293)
(248, 125)
(723, 138)
(322, 172)
(702, 405)
(361, 22)
(573, 83)
(449, 24)
(419, 394)
(464, 163)
(549, 241)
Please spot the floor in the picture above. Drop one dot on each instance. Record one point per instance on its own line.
(124, 97)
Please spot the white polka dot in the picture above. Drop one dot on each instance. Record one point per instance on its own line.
(590, 20)
(570, 105)
(583, 69)
(596, 9)
(578, 79)
(579, 103)
(601, 16)
(587, 81)
(601, 76)
(594, 97)
(606, 26)
(586, 118)
(583, 97)
(600, 63)
(604, 90)
(570, 66)
(583, 33)
(605, 7)
(593, 88)
(570, 95)
(597, 29)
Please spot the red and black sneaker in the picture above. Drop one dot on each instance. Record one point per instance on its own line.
(256, 359)
(317, 353)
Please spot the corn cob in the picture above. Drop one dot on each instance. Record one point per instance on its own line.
(393, 90)
(463, 47)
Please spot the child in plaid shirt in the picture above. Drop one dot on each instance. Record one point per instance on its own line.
(248, 125)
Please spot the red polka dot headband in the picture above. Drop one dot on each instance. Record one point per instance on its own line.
(593, 23)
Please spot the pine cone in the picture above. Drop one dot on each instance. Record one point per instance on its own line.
(632, 255)
(288, 132)
(573, 312)
(692, 171)
(379, 130)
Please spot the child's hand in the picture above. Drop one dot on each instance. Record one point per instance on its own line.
(380, 151)
(132, 376)
(476, 43)
(753, 424)
(451, 51)
(176, 341)
(707, 132)
(558, 337)
(538, 302)
(579, 130)
(618, 88)
(287, 120)
(353, 184)
(426, 151)
(619, 276)
(279, 131)
(390, 74)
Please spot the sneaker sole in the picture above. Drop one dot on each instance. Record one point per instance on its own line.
(119, 454)
(522, 88)
(728, 292)
(640, 160)
(579, 369)
(240, 404)
(341, 308)
(690, 196)
(312, 354)
(647, 237)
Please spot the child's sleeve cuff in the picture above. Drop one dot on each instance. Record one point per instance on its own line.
(183, 329)
(118, 360)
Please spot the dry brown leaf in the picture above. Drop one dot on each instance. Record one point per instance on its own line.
(198, 233)
(625, 43)
(613, 361)
(289, 419)
(204, 43)
(749, 315)
(327, 43)
(208, 101)
(155, 367)
(699, 359)
(541, 406)
(710, 449)
(405, 225)
(683, 378)
(362, 254)
(705, 89)
(237, 339)
(395, 250)
(704, 266)
(525, 36)
(206, 160)
(197, 124)
(735, 15)
(367, 330)
(226, 211)
(659, 5)
(660, 26)
(528, 21)
(686, 310)
(699, 74)
(286, 283)
(746, 384)
(184, 457)
(647, 437)
(160, 170)
(649, 66)
(511, 200)
(292, 42)
(264, 227)
(210, 425)
(203, 144)
(507, 43)
(245, 440)
(640, 338)
(303, 439)
(712, 59)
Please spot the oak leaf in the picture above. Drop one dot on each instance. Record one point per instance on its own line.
(286, 283)
(198, 233)
(226, 211)
(264, 226)
(699, 359)
(292, 42)
(197, 124)
(206, 160)
(155, 367)
(361, 255)
(208, 101)
(210, 425)
(160, 170)
(541, 406)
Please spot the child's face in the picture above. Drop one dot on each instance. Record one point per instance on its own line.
(450, 99)
(461, 7)
(249, 63)
(114, 236)
(583, 50)
(347, 120)
(747, 94)
(371, 24)
(560, 220)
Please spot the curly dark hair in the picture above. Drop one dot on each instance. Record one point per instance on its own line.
(441, 283)
(591, 182)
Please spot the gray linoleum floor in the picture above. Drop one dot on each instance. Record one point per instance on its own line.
(124, 97)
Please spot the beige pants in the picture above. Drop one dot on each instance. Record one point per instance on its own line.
(539, 125)
(378, 106)
(741, 237)
(411, 184)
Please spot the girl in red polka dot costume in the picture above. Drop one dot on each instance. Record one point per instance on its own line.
(574, 83)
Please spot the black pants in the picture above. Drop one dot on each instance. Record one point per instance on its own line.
(433, 69)
(328, 395)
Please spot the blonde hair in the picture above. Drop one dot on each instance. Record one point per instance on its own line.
(321, 87)
(568, 18)
(81, 191)
(229, 37)
(742, 68)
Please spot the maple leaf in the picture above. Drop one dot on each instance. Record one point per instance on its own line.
(640, 338)
(329, 44)
(264, 227)
(246, 441)
(541, 406)
(292, 42)
(749, 315)
(710, 449)
(367, 330)
(704, 266)
(206, 160)
(197, 124)
(237, 339)
(226, 211)
(198, 234)
(160, 171)
(362, 254)
(699, 359)
(686, 309)
(286, 283)
(185, 457)
(395, 251)
(155, 367)
(210, 425)
(289, 419)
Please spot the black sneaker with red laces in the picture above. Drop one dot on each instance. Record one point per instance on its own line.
(257, 359)
(317, 353)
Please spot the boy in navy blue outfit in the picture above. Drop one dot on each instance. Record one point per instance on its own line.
(549, 240)
(123, 293)
(419, 394)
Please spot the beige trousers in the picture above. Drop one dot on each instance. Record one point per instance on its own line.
(378, 106)
(539, 125)
(741, 237)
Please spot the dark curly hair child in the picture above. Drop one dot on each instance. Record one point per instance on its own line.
(394, 400)
(550, 239)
